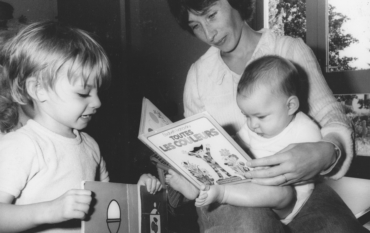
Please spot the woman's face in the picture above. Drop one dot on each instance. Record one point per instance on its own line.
(219, 26)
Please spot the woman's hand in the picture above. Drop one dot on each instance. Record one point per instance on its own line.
(296, 163)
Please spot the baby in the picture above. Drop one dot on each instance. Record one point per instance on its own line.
(268, 96)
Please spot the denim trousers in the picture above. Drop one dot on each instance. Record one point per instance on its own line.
(324, 212)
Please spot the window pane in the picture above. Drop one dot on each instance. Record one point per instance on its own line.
(288, 17)
(357, 108)
(349, 35)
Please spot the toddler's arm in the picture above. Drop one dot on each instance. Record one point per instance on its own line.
(280, 198)
(74, 204)
(151, 182)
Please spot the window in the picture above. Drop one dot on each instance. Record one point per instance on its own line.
(341, 82)
(327, 26)
(338, 31)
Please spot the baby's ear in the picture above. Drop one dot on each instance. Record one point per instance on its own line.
(292, 104)
(35, 89)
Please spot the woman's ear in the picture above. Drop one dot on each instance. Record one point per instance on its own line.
(35, 89)
(292, 104)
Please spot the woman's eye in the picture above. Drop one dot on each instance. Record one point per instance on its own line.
(193, 27)
(261, 117)
(211, 16)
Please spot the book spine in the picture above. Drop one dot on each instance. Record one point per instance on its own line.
(157, 159)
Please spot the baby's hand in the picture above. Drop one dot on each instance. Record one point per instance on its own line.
(151, 182)
(201, 200)
(74, 204)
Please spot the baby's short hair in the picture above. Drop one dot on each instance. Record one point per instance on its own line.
(42, 48)
(273, 71)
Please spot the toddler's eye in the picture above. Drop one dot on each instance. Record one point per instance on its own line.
(261, 117)
(83, 95)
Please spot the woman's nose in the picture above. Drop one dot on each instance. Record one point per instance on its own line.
(210, 33)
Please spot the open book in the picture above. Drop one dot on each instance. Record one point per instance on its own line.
(125, 208)
(196, 147)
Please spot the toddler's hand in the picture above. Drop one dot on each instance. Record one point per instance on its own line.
(74, 204)
(151, 182)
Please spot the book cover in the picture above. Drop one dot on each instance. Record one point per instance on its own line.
(151, 117)
(200, 149)
(124, 208)
(153, 211)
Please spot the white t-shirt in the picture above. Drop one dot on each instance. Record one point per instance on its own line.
(301, 129)
(38, 165)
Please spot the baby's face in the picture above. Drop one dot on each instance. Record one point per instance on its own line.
(266, 112)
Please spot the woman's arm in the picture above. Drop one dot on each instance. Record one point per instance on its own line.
(326, 110)
(297, 163)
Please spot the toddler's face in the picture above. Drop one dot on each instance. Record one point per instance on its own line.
(71, 104)
(266, 112)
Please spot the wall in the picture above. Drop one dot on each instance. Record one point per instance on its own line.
(159, 56)
(34, 10)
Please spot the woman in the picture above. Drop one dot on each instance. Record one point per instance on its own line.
(211, 86)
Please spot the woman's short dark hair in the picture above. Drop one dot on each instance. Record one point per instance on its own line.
(180, 8)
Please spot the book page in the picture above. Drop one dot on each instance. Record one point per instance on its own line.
(200, 150)
(151, 117)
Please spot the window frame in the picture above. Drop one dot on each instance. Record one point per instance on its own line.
(341, 82)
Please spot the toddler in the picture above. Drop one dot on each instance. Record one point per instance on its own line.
(268, 96)
(57, 71)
